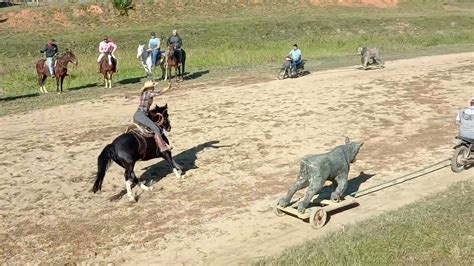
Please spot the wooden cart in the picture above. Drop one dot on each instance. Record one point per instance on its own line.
(318, 215)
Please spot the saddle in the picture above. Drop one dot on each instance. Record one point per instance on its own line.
(140, 130)
(45, 65)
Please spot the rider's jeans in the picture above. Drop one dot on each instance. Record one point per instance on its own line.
(49, 61)
(154, 57)
(102, 55)
(294, 64)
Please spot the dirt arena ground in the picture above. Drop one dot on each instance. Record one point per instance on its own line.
(241, 146)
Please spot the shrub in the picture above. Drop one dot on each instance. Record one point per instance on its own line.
(122, 6)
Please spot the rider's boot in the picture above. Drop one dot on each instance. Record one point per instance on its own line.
(161, 143)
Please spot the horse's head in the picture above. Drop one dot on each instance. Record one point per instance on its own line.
(171, 50)
(140, 50)
(70, 57)
(160, 116)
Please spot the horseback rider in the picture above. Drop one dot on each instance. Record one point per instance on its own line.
(141, 115)
(107, 46)
(154, 47)
(177, 42)
(52, 51)
(465, 120)
(295, 55)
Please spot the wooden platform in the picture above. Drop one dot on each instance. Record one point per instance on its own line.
(316, 213)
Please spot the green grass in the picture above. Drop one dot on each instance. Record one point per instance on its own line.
(228, 36)
(437, 230)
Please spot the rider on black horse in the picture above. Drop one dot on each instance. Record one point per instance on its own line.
(177, 42)
(141, 115)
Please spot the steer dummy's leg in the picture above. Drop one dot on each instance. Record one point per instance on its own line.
(314, 188)
(300, 184)
(341, 186)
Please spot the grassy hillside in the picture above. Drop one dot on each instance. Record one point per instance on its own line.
(222, 36)
(438, 231)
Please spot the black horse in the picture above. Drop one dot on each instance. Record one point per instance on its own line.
(131, 147)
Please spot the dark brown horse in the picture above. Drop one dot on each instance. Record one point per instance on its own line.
(60, 70)
(171, 61)
(107, 69)
(131, 147)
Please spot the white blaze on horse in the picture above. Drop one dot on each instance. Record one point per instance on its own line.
(144, 56)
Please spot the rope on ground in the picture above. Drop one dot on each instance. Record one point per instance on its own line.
(399, 180)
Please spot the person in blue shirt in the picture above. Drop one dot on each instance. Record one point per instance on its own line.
(295, 55)
(154, 47)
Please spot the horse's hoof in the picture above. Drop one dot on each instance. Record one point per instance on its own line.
(177, 173)
(146, 188)
(132, 199)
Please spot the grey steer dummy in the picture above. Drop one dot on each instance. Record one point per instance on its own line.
(317, 168)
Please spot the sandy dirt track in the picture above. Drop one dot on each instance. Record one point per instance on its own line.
(241, 145)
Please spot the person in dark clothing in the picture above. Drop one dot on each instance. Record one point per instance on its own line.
(51, 50)
(177, 42)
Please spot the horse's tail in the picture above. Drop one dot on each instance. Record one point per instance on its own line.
(103, 162)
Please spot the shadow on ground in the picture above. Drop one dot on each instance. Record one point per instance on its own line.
(186, 159)
(12, 98)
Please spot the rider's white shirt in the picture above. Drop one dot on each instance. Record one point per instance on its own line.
(468, 111)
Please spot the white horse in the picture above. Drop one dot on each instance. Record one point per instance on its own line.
(145, 59)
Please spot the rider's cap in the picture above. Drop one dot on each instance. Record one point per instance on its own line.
(148, 85)
(295, 45)
(153, 33)
(105, 37)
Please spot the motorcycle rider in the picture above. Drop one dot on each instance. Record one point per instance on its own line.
(465, 120)
(295, 55)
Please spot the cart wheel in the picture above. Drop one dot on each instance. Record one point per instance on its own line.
(277, 211)
(318, 218)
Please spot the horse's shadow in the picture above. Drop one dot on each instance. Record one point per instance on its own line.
(12, 98)
(86, 86)
(131, 80)
(196, 75)
(186, 159)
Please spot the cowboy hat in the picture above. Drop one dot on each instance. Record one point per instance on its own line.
(148, 85)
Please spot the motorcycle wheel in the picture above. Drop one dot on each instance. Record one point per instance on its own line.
(282, 74)
(460, 155)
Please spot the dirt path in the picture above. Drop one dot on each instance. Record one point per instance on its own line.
(242, 146)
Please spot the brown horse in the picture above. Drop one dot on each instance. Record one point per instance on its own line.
(60, 70)
(171, 61)
(107, 69)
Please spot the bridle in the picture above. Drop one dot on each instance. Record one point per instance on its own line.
(161, 120)
(68, 59)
